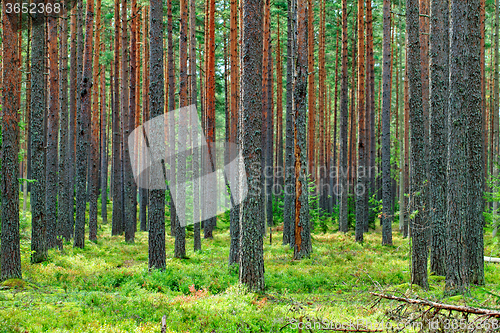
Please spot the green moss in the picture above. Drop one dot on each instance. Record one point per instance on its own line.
(107, 287)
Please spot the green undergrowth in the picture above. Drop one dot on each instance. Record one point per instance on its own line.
(107, 287)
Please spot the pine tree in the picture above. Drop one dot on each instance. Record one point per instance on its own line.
(52, 132)
(289, 189)
(302, 232)
(361, 209)
(63, 190)
(11, 77)
(418, 221)
(117, 213)
(234, 227)
(93, 181)
(180, 229)
(343, 169)
(438, 117)
(251, 259)
(37, 195)
(156, 212)
(387, 210)
(83, 123)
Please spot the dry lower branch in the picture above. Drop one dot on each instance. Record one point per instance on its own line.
(451, 307)
(492, 259)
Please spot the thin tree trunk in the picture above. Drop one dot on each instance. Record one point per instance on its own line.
(234, 228)
(360, 190)
(209, 225)
(335, 173)
(370, 104)
(145, 110)
(83, 137)
(180, 204)
(117, 217)
(52, 133)
(104, 147)
(289, 203)
(63, 188)
(343, 169)
(93, 178)
(127, 119)
(311, 93)
(171, 106)
(195, 134)
(323, 181)
(387, 210)
(133, 112)
(302, 232)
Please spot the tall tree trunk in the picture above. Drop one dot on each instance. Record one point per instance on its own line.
(52, 133)
(360, 190)
(104, 147)
(387, 209)
(496, 105)
(11, 78)
(269, 167)
(323, 181)
(83, 123)
(266, 115)
(289, 203)
(93, 178)
(334, 171)
(209, 225)
(311, 93)
(234, 228)
(133, 112)
(171, 106)
(180, 204)
(279, 179)
(474, 242)
(302, 232)
(195, 134)
(343, 169)
(156, 212)
(127, 91)
(27, 173)
(145, 109)
(117, 215)
(438, 116)
(37, 194)
(370, 104)
(418, 218)
(400, 124)
(79, 74)
(482, 28)
(63, 188)
(251, 270)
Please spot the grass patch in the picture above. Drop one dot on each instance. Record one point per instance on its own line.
(107, 287)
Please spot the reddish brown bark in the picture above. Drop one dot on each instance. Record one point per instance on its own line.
(311, 152)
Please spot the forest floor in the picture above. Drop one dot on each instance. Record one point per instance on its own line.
(106, 287)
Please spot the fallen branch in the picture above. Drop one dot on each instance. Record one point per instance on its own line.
(451, 307)
(492, 259)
